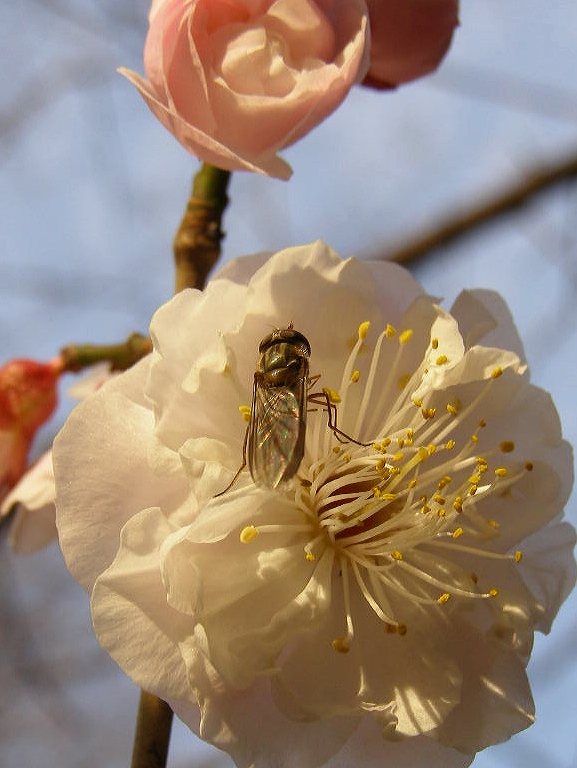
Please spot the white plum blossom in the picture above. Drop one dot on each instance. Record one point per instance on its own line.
(379, 608)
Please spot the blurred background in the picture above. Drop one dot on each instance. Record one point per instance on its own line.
(92, 189)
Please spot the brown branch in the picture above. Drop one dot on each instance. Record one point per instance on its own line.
(197, 242)
(152, 732)
(76, 357)
(487, 211)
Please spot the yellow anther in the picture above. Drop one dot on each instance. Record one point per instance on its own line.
(404, 380)
(309, 556)
(482, 423)
(394, 470)
(410, 434)
(423, 453)
(431, 449)
(444, 598)
(380, 465)
(439, 499)
(355, 376)
(493, 524)
(435, 343)
(340, 645)
(457, 532)
(501, 472)
(376, 491)
(441, 512)
(518, 556)
(458, 504)
(493, 592)
(474, 439)
(337, 449)
(397, 457)
(496, 372)
(452, 409)
(390, 331)
(425, 509)
(396, 555)
(529, 466)
(346, 457)
(507, 446)
(248, 534)
(244, 411)
(385, 442)
(450, 444)
(401, 442)
(428, 413)
(474, 479)
(405, 336)
(364, 329)
(332, 395)
(412, 483)
(472, 490)
(443, 482)
(417, 402)
(482, 465)
(388, 496)
(442, 360)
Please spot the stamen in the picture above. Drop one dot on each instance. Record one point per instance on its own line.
(245, 411)
(406, 336)
(248, 534)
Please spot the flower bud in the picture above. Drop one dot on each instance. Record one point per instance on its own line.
(409, 38)
(28, 398)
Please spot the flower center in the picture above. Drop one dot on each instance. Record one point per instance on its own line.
(395, 510)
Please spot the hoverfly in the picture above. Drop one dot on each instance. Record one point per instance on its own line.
(275, 437)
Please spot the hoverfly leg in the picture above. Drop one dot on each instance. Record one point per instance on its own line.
(331, 410)
(242, 466)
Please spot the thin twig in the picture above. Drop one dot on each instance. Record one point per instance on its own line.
(490, 209)
(76, 357)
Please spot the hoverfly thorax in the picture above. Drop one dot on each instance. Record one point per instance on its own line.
(277, 430)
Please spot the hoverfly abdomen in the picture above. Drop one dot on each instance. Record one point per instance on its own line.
(277, 430)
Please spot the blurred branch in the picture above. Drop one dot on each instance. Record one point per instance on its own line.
(76, 357)
(152, 732)
(501, 204)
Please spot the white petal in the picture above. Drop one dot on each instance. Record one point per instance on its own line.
(131, 616)
(103, 476)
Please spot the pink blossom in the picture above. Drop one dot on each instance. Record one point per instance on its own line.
(237, 81)
(408, 38)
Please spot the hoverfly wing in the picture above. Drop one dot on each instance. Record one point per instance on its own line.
(276, 440)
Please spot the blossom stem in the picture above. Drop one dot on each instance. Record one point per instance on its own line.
(76, 357)
(197, 241)
(152, 732)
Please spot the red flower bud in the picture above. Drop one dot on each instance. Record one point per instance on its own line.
(28, 398)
